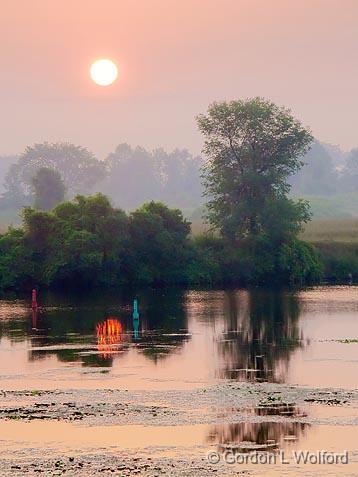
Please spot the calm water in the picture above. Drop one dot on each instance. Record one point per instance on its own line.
(183, 339)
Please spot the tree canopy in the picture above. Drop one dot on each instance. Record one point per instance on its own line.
(88, 242)
(159, 243)
(252, 147)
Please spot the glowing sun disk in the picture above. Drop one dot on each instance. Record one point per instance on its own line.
(104, 72)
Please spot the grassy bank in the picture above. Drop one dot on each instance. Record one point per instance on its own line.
(338, 205)
(332, 230)
(343, 230)
(337, 243)
(335, 239)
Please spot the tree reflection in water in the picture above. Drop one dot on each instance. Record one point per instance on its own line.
(96, 330)
(246, 334)
(261, 433)
(260, 333)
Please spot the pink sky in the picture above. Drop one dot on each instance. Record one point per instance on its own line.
(174, 58)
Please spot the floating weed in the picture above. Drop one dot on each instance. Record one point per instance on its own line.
(346, 340)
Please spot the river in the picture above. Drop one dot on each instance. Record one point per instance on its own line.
(188, 353)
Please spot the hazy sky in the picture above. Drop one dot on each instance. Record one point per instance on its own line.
(174, 58)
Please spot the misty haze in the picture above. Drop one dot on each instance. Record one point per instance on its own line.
(179, 238)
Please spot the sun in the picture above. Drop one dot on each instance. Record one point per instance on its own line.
(104, 72)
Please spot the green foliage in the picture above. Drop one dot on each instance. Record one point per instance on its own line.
(86, 242)
(49, 189)
(340, 260)
(204, 260)
(159, 244)
(299, 263)
(79, 243)
(16, 266)
(252, 147)
(283, 218)
(254, 261)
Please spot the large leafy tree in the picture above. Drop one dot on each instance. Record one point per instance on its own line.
(252, 147)
(78, 167)
(49, 189)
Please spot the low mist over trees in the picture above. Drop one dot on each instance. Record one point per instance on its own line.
(5, 164)
(130, 176)
(49, 189)
(135, 175)
(318, 176)
(350, 172)
(258, 158)
(77, 166)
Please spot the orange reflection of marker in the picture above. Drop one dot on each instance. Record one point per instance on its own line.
(109, 333)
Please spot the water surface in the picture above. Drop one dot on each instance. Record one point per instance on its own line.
(182, 339)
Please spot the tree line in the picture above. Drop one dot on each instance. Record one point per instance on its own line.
(131, 176)
(251, 147)
(87, 242)
(326, 172)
